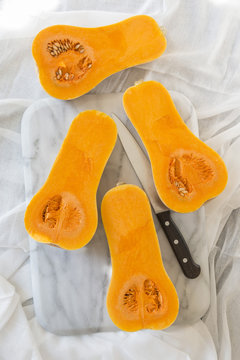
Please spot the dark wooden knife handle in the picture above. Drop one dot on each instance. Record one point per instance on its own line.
(190, 269)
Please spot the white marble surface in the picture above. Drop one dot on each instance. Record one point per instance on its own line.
(69, 287)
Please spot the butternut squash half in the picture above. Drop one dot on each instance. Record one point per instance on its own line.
(72, 60)
(186, 171)
(64, 212)
(140, 295)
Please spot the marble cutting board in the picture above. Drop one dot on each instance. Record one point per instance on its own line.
(70, 287)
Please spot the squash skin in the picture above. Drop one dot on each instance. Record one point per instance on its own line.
(64, 211)
(110, 49)
(136, 263)
(186, 171)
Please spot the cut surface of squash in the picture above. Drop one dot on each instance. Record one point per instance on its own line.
(63, 212)
(72, 60)
(140, 294)
(186, 171)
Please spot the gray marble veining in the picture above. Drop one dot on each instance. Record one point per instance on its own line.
(70, 287)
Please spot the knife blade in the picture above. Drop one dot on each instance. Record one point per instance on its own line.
(142, 167)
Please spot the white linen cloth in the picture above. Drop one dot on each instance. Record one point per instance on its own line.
(202, 62)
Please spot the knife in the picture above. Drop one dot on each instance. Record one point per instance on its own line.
(142, 167)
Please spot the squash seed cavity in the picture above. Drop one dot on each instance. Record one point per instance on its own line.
(61, 212)
(181, 166)
(150, 300)
(153, 297)
(130, 299)
(51, 211)
(69, 70)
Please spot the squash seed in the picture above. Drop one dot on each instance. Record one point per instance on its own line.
(77, 46)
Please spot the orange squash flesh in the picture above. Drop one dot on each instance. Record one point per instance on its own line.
(186, 171)
(64, 212)
(72, 60)
(140, 294)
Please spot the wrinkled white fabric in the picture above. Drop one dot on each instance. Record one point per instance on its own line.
(202, 62)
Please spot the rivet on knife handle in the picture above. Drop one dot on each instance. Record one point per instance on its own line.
(189, 267)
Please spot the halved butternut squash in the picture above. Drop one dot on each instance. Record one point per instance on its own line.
(186, 171)
(64, 212)
(72, 60)
(140, 295)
